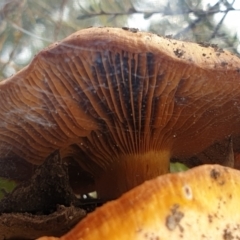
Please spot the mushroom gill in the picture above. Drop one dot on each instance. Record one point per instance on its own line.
(120, 103)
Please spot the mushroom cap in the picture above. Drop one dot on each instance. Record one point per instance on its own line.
(105, 93)
(201, 202)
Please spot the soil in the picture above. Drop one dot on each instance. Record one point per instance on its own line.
(43, 205)
(31, 226)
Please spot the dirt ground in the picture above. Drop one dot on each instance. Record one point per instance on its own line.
(31, 226)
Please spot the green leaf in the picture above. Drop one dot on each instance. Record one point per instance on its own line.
(177, 167)
(6, 186)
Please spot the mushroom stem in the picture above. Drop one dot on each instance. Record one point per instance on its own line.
(128, 171)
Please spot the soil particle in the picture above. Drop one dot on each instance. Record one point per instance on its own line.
(170, 36)
(179, 52)
(227, 235)
(173, 220)
(134, 30)
(215, 174)
(214, 46)
(223, 64)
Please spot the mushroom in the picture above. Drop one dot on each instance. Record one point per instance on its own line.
(119, 103)
(201, 202)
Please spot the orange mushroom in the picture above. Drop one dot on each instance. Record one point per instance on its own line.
(198, 204)
(119, 103)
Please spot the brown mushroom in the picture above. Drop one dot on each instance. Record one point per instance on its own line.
(200, 203)
(120, 104)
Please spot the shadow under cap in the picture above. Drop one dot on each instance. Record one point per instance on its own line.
(128, 101)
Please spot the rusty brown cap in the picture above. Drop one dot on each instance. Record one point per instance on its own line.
(120, 103)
